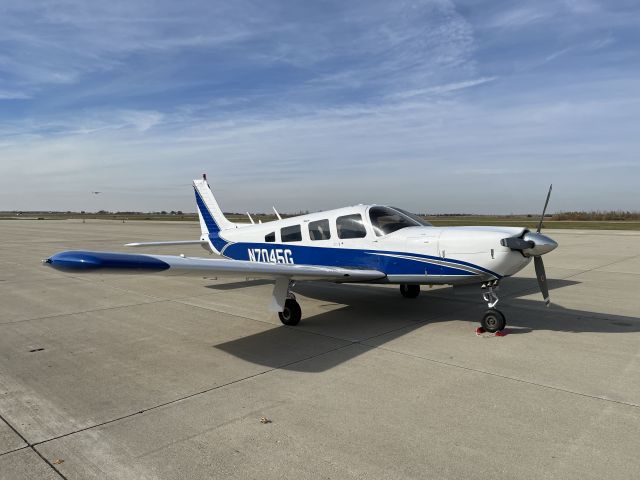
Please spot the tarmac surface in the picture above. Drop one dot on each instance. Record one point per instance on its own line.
(144, 377)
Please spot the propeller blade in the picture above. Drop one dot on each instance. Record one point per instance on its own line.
(542, 279)
(544, 210)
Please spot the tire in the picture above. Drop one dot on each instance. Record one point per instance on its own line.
(493, 321)
(292, 313)
(409, 291)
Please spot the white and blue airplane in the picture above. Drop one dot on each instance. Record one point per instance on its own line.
(358, 244)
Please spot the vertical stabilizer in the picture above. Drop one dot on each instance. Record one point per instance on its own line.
(212, 220)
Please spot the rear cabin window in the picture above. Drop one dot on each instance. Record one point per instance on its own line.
(291, 234)
(270, 237)
(351, 226)
(319, 230)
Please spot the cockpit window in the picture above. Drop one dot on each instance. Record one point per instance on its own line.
(387, 220)
(415, 217)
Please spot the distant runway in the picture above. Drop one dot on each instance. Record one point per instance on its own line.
(145, 377)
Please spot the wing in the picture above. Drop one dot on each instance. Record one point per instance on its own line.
(83, 261)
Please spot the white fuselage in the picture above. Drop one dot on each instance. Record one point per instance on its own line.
(349, 237)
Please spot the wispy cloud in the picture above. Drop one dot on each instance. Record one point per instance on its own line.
(9, 95)
(447, 88)
(518, 17)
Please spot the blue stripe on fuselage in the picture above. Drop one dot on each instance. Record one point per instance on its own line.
(398, 263)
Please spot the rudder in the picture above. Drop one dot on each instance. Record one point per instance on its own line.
(212, 220)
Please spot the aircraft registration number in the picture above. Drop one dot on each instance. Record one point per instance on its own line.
(275, 255)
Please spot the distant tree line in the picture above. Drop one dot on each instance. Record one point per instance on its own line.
(597, 215)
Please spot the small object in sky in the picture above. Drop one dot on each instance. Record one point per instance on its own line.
(96, 193)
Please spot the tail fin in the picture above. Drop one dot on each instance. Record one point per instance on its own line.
(212, 220)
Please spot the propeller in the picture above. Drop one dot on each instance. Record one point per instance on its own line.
(542, 279)
(544, 210)
(537, 260)
(535, 245)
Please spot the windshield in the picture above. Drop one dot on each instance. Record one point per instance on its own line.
(387, 220)
(415, 217)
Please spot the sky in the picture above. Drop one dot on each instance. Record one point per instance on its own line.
(435, 106)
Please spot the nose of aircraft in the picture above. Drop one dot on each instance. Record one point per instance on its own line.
(541, 244)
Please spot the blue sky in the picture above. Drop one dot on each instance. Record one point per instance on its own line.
(436, 106)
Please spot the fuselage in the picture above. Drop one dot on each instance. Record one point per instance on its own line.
(406, 248)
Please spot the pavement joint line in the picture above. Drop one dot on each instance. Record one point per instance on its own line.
(31, 446)
(24, 447)
(151, 302)
(103, 309)
(186, 397)
(506, 377)
(601, 266)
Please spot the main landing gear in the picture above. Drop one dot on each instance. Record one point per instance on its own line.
(493, 320)
(292, 313)
(409, 291)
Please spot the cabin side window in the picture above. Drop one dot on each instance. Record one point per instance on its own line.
(270, 237)
(319, 230)
(291, 234)
(351, 226)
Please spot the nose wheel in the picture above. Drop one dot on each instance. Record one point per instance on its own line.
(493, 319)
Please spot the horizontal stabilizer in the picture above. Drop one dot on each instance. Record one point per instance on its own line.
(165, 244)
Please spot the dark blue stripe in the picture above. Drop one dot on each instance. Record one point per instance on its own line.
(209, 221)
(78, 261)
(214, 229)
(357, 258)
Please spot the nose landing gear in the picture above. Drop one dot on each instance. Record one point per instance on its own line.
(493, 319)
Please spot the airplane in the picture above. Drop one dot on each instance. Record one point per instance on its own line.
(359, 244)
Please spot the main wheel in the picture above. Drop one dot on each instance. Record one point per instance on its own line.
(493, 321)
(409, 291)
(292, 312)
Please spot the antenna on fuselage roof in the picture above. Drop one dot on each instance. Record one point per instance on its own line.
(204, 177)
(277, 214)
(250, 219)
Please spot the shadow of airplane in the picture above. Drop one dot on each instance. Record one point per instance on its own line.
(364, 312)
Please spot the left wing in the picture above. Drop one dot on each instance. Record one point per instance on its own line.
(84, 261)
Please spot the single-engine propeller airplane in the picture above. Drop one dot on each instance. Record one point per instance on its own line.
(359, 244)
